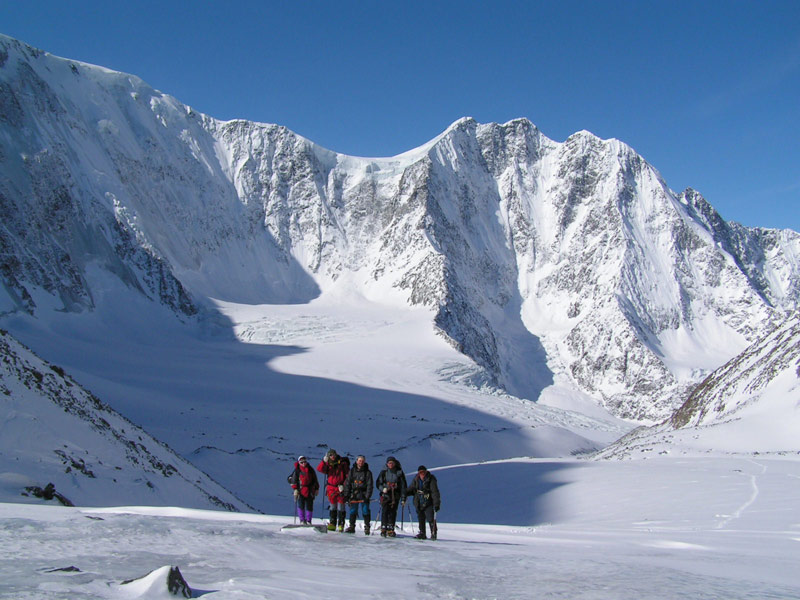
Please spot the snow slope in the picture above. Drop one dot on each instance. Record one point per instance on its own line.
(659, 529)
(353, 375)
(54, 431)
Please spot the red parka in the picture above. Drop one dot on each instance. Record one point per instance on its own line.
(305, 480)
(336, 470)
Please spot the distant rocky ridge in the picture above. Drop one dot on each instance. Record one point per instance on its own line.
(542, 261)
(745, 379)
(751, 403)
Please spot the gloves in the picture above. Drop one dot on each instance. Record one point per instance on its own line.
(296, 494)
(341, 488)
(386, 490)
(437, 507)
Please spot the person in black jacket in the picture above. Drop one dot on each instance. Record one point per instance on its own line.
(427, 501)
(392, 485)
(357, 492)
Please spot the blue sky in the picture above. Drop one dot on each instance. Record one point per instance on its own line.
(708, 92)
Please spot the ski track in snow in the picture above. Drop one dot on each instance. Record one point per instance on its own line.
(750, 501)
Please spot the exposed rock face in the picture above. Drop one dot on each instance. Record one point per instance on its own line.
(49, 493)
(163, 581)
(541, 261)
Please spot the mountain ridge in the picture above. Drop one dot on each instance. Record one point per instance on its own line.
(749, 405)
(542, 261)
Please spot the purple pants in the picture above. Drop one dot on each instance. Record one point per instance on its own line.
(305, 508)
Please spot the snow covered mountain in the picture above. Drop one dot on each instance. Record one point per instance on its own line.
(52, 431)
(570, 263)
(751, 404)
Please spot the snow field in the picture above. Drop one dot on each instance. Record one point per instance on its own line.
(663, 528)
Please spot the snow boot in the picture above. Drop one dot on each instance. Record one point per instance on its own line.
(341, 521)
(352, 527)
(391, 533)
(333, 520)
(421, 536)
(366, 528)
(383, 531)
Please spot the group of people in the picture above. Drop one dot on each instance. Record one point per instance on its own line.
(353, 487)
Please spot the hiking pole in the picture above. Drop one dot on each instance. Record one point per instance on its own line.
(378, 518)
(403, 516)
(325, 495)
(295, 509)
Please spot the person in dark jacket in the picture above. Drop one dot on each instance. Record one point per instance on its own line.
(335, 468)
(392, 485)
(357, 492)
(306, 487)
(427, 501)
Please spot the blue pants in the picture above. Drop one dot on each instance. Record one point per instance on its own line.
(364, 510)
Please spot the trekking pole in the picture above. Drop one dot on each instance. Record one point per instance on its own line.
(403, 516)
(295, 510)
(325, 495)
(378, 518)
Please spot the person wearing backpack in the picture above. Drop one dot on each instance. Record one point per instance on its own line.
(336, 468)
(392, 485)
(427, 501)
(306, 487)
(357, 492)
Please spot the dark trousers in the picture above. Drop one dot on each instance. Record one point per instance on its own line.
(389, 514)
(426, 514)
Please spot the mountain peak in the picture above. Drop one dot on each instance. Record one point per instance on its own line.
(542, 262)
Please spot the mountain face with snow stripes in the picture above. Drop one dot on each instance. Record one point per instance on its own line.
(543, 262)
(768, 369)
(749, 405)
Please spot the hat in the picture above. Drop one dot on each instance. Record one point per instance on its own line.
(421, 468)
(391, 459)
(332, 452)
(301, 457)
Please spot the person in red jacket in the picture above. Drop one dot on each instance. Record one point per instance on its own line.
(306, 487)
(336, 468)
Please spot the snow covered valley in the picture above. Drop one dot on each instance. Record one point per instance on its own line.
(521, 516)
(663, 528)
